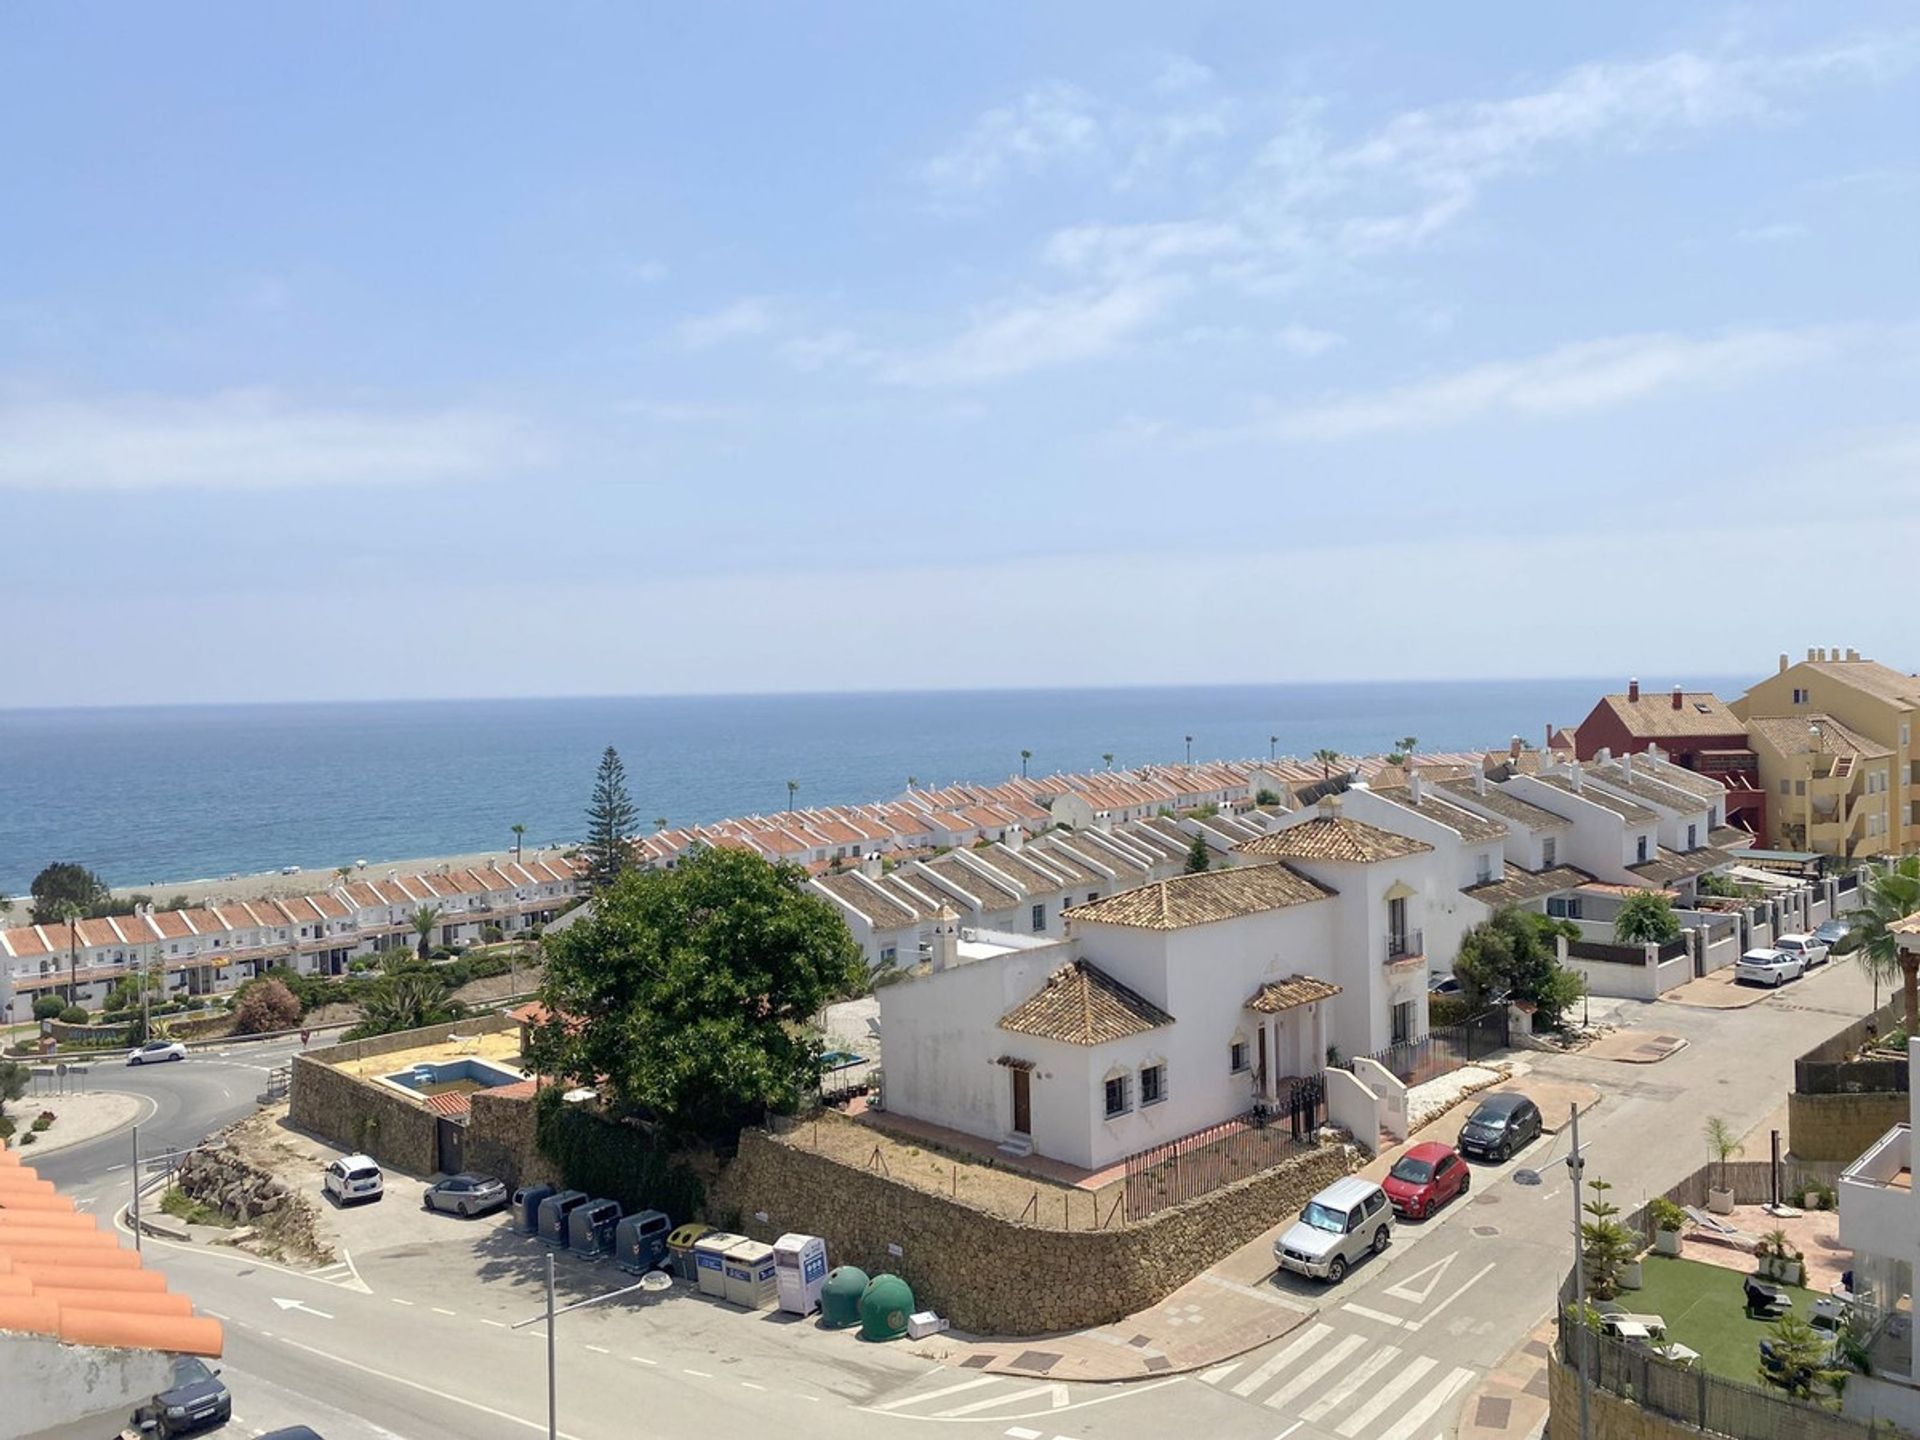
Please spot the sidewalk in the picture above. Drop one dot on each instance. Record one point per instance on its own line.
(1716, 992)
(1511, 1402)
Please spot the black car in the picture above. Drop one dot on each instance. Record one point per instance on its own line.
(195, 1398)
(1501, 1124)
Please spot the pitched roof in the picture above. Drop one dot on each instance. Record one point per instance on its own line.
(1648, 790)
(1083, 1005)
(1654, 714)
(1883, 682)
(1278, 995)
(1518, 886)
(1468, 825)
(1334, 837)
(1797, 735)
(1184, 900)
(1506, 805)
(1671, 865)
(1627, 810)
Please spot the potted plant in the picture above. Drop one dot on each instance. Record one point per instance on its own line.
(1725, 1145)
(1668, 1221)
(1778, 1260)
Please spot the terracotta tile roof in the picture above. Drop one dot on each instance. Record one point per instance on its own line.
(1083, 1005)
(1518, 887)
(1730, 837)
(1205, 898)
(1507, 806)
(1870, 677)
(449, 1104)
(1335, 837)
(71, 1281)
(1654, 714)
(1681, 778)
(1296, 990)
(1469, 826)
(1796, 735)
(1671, 865)
(1627, 810)
(1646, 789)
(870, 900)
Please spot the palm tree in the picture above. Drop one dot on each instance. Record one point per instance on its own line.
(1025, 755)
(659, 822)
(1328, 759)
(1108, 757)
(1189, 749)
(793, 787)
(1405, 745)
(1893, 894)
(519, 831)
(6, 903)
(405, 1001)
(912, 780)
(424, 920)
(344, 872)
(69, 912)
(1273, 742)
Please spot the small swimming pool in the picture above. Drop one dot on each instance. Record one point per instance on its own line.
(840, 1059)
(444, 1077)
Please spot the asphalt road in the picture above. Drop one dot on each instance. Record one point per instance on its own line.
(412, 1334)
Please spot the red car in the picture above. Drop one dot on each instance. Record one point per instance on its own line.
(1424, 1179)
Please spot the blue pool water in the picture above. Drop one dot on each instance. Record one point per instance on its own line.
(434, 1075)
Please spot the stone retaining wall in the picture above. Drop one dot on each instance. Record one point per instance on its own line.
(1840, 1127)
(1609, 1417)
(357, 1114)
(502, 1140)
(995, 1276)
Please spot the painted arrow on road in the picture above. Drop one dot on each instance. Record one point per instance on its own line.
(301, 1306)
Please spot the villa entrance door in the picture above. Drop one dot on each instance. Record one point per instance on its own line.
(1022, 1101)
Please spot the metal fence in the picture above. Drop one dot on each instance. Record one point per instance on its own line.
(1695, 1396)
(1440, 1052)
(1606, 950)
(1828, 1068)
(1198, 1164)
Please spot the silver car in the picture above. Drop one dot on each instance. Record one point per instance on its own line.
(1345, 1221)
(466, 1194)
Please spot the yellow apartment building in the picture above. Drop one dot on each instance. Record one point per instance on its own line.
(1848, 738)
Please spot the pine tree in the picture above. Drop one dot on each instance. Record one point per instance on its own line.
(1198, 857)
(610, 820)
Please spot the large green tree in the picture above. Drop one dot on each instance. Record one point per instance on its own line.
(1892, 894)
(687, 993)
(611, 819)
(66, 882)
(1513, 954)
(1644, 916)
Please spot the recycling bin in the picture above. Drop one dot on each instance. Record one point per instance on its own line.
(840, 1297)
(884, 1308)
(526, 1207)
(709, 1259)
(752, 1276)
(640, 1242)
(554, 1211)
(680, 1244)
(800, 1263)
(590, 1227)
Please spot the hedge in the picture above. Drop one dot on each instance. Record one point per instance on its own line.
(619, 1162)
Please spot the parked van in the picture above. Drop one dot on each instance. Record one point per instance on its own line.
(1342, 1223)
(353, 1177)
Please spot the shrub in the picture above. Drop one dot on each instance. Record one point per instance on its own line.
(1265, 797)
(1646, 918)
(1665, 1214)
(28, 1138)
(40, 1123)
(48, 1007)
(603, 1157)
(268, 1006)
(75, 1015)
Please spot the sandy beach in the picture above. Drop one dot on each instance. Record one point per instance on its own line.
(272, 885)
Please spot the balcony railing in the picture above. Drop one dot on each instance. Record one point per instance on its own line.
(1409, 946)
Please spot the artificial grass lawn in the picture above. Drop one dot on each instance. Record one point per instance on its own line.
(1704, 1308)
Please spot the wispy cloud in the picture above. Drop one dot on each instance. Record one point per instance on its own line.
(742, 318)
(828, 348)
(1180, 74)
(1780, 232)
(1306, 341)
(1591, 376)
(1051, 330)
(246, 440)
(1048, 124)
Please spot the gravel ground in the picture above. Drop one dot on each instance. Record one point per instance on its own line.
(272, 885)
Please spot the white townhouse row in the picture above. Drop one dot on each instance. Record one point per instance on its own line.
(215, 947)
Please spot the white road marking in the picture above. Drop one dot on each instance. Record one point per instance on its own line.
(1380, 1315)
(701, 1373)
(1355, 1378)
(973, 1384)
(1061, 1395)
(114, 1169)
(1391, 1391)
(642, 1360)
(398, 1301)
(496, 1324)
(1314, 1335)
(218, 1316)
(1313, 1374)
(599, 1349)
(1432, 1314)
(1015, 1432)
(749, 1385)
(812, 1399)
(1430, 1404)
(993, 1401)
(539, 1427)
(439, 1311)
(1218, 1373)
(1289, 1430)
(301, 1306)
(1407, 1290)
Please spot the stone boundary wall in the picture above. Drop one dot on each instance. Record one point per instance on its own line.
(357, 1114)
(993, 1276)
(1609, 1417)
(1840, 1127)
(502, 1140)
(347, 1050)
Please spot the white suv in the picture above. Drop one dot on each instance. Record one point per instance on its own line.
(353, 1177)
(1340, 1224)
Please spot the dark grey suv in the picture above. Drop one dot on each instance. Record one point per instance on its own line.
(1500, 1125)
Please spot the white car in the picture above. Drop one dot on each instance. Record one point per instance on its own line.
(1812, 951)
(1769, 967)
(155, 1050)
(353, 1177)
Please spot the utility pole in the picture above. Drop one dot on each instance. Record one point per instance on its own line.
(553, 1396)
(134, 1209)
(1575, 1166)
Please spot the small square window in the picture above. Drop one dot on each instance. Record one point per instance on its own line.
(1118, 1101)
(1237, 1057)
(1039, 918)
(1153, 1084)
(1549, 851)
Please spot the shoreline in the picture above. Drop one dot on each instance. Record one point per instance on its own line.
(272, 885)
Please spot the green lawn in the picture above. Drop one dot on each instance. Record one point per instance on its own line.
(1705, 1309)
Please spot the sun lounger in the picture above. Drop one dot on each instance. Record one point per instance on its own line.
(1718, 1230)
(1764, 1299)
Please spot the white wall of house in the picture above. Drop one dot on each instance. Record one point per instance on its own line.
(1602, 843)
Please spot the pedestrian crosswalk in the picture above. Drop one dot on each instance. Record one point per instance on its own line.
(1353, 1386)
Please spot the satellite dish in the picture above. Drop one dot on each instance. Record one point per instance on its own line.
(1526, 1177)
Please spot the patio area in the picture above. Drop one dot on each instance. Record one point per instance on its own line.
(1814, 1233)
(1704, 1309)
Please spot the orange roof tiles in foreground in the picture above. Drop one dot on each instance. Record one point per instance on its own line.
(64, 1278)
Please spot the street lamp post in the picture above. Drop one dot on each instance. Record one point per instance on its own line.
(1576, 1166)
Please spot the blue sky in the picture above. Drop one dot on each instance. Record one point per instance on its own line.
(450, 350)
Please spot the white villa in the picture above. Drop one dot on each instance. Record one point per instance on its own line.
(1172, 1006)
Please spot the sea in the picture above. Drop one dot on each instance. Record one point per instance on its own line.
(150, 795)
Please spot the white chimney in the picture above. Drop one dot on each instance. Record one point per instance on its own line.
(1812, 653)
(1573, 778)
(1603, 754)
(1783, 662)
(871, 866)
(1329, 807)
(1416, 787)
(1513, 748)
(1626, 765)
(1015, 836)
(946, 938)
(1853, 654)
(1480, 782)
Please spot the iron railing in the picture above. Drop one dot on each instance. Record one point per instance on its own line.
(1440, 1052)
(1405, 946)
(1197, 1164)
